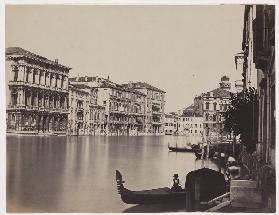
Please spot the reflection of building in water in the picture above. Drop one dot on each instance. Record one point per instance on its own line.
(211, 105)
(37, 93)
(190, 122)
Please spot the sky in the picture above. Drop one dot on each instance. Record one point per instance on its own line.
(183, 50)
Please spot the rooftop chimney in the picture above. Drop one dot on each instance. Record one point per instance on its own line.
(56, 61)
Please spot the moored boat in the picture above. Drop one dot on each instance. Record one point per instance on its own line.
(178, 149)
(153, 196)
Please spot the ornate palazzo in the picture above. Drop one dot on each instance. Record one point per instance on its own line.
(37, 93)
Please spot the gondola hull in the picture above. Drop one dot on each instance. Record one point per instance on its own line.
(154, 196)
(133, 197)
(175, 149)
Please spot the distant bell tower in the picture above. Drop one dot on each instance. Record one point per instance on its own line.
(225, 83)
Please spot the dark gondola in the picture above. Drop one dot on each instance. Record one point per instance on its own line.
(154, 196)
(211, 184)
(177, 149)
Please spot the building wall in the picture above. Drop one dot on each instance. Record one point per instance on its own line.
(124, 111)
(259, 43)
(96, 114)
(190, 125)
(171, 124)
(78, 121)
(37, 94)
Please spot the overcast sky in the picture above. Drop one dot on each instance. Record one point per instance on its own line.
(183, 50)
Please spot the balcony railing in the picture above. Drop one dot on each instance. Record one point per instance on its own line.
(157, 112)
(36, 85)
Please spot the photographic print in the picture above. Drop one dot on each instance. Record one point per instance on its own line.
(140, 108)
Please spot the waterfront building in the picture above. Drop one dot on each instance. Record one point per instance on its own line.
(78, 121)
(37, 93)
(86, 116)
(212, 105)
(259, 48)
(154, 107)
(123, 107)
(97, 114)
(171, 124)
(190, 122)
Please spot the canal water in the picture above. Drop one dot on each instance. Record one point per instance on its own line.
(77, 174)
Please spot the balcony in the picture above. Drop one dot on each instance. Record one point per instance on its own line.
(36, 85)
(155, 122)
(155, 112)
(80, 119)
(16, 107)
(80, 109)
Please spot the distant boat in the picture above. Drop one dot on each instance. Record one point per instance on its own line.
(187, 148)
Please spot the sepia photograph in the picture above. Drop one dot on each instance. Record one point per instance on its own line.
(140, 108)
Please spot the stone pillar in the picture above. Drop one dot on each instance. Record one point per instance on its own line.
(66, 83)
(21, 72)
(62, 81)
(59, 81)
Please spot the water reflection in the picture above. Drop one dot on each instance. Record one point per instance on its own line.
(77, 174)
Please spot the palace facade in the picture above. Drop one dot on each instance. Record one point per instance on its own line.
(37, 93)
(154, 107)
(190, 122)
(171, 124)
(123, 107)
(212, 105)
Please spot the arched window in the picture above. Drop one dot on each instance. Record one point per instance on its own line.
(214, 117)
(15, 70)
(207, 105)
(206, 116)
(214, 105)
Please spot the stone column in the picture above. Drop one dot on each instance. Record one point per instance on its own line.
(66, 83)
(59, 81)
(62, 81)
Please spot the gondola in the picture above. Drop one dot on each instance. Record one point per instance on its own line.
(153, 196)
(177, 149)
(187, 148)
(210, 182)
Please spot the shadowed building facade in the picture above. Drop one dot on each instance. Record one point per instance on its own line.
(258, 45)
(37, 93)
